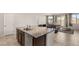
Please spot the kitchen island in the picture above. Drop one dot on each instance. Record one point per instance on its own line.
(35, 36)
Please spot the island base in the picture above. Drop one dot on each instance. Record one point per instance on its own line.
(40, 41)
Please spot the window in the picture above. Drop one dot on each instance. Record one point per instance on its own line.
(77, 18)
(58, 20)
(63, 20)
(50, 19)
(74, 19)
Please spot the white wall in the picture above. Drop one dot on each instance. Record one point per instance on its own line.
(1, 24)
(29, 19)
(25, 19)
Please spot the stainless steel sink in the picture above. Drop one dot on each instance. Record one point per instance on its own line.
(27, 29)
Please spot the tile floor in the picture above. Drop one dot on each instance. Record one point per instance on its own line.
(9, 40)
(59, 39)
(63, 39)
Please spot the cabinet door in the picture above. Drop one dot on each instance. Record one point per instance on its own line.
(18, 36)
(21, 37)
(40, 41)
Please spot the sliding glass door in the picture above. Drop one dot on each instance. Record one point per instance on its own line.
(58, 20)
(75, 19)
(61, 20)
(50, 20)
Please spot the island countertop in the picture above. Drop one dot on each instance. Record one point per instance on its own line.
(36, 31)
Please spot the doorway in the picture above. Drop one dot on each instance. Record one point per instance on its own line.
(8, 24)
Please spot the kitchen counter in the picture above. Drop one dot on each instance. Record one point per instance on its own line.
(36, 31)
(34, 36)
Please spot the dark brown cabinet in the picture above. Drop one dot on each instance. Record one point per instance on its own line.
(40, 41)
(20, 37)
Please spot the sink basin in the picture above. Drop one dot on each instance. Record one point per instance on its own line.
(27, 29)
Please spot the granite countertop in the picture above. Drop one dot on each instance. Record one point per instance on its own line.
(36, 31)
